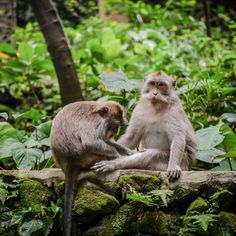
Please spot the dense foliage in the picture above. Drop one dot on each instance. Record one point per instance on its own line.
(157, 37)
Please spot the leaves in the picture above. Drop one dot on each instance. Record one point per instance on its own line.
(30, 227)
(26, 52)
(32, 114)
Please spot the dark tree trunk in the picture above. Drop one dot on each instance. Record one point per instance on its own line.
(52, 28)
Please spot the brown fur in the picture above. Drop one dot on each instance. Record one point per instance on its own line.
(80, 137)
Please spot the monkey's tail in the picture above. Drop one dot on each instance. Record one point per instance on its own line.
(69, 190)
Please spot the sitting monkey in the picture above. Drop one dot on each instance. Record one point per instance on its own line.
(160, 125)
(81, 135)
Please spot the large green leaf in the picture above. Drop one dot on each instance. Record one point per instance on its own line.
(26, 52)
(33, 114)
(6, 147)
(7, 48)
(209, 138)
(7, 131)
(25, 158)
(208, 156)
(30, 227)
(117, 81)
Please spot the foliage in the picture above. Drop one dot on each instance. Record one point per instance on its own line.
(24, 220)
(25, 150)
(111, 60)
(204, 223)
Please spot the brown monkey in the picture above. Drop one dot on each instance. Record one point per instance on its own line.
(160, 125)
(80, 137)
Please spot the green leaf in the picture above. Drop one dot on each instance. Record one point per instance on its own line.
(230, 117)
(162, 194)
(6, 147)
(33, 114)
(30, 227)
(208, 156)
(3, 195)
(25, 158)
(117, 81)
(7, 48)
(209, 138)
(7, 131)
(26, 52)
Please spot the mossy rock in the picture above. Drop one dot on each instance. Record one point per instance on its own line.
(158, 223)
(200, 205)
(90, 203)
(120, 223)
(59, 187)
(181, 199)
(229, 219)
(33, 192)
(140, 183)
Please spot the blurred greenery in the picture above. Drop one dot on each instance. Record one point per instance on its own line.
(111, 61)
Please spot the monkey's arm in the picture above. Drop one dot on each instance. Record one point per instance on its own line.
(100, 147)
(133, 134)
(120, 148)
(177, 135)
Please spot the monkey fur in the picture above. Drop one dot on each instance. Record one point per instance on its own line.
(160, 125)
(81, 136)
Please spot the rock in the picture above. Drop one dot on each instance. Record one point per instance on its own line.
(120, 223)
(158, 223)
(90, 203)
(181, 199)
(199, 205)
(229, 219)
(140, 183)
(33, 192)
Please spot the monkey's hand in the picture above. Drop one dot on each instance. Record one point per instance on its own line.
(104, 166)
(173, 172)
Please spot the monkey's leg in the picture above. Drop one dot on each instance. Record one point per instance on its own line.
(151, 159)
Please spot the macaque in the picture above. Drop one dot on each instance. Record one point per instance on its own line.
(81, 136)
(161, 127)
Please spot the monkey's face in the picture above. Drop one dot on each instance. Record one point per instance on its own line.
(113, 118)
(158, 87)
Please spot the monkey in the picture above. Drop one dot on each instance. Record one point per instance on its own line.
(160, 125)
(81, 136)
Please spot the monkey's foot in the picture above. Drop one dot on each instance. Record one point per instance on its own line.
(103, 166)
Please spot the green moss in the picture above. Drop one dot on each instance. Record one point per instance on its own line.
(141, 183)
(229, 219)
(59, 188)
(33, 192)
(91, 202)
(199, 205)
(121, 222)
(158, 223)
(181, 199)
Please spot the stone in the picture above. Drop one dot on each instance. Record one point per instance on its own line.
(91, 203)
(120, 223)
(200, 205)
(139, 183)
(158, 223)
(33, 192)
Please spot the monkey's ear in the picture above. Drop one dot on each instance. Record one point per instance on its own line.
(174, 84)
(102, 111)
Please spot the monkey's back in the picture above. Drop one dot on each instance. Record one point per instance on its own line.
(67, 128)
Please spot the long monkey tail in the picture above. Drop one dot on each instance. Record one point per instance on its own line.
(69, 192)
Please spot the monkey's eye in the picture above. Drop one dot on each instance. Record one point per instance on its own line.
(152, 83)
(103, 111)
(161, 84)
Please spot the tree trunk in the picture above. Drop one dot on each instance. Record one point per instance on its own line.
(7, 19)
(52, 28)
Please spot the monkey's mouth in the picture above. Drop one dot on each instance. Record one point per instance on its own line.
(158, 98)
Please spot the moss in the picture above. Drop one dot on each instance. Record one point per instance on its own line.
(229, 219)
(181, 199)
(90, 203)
(120, 223)
(158, 223)
(33, 192)
(59, 188)
(199, 205)
(141, 183)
